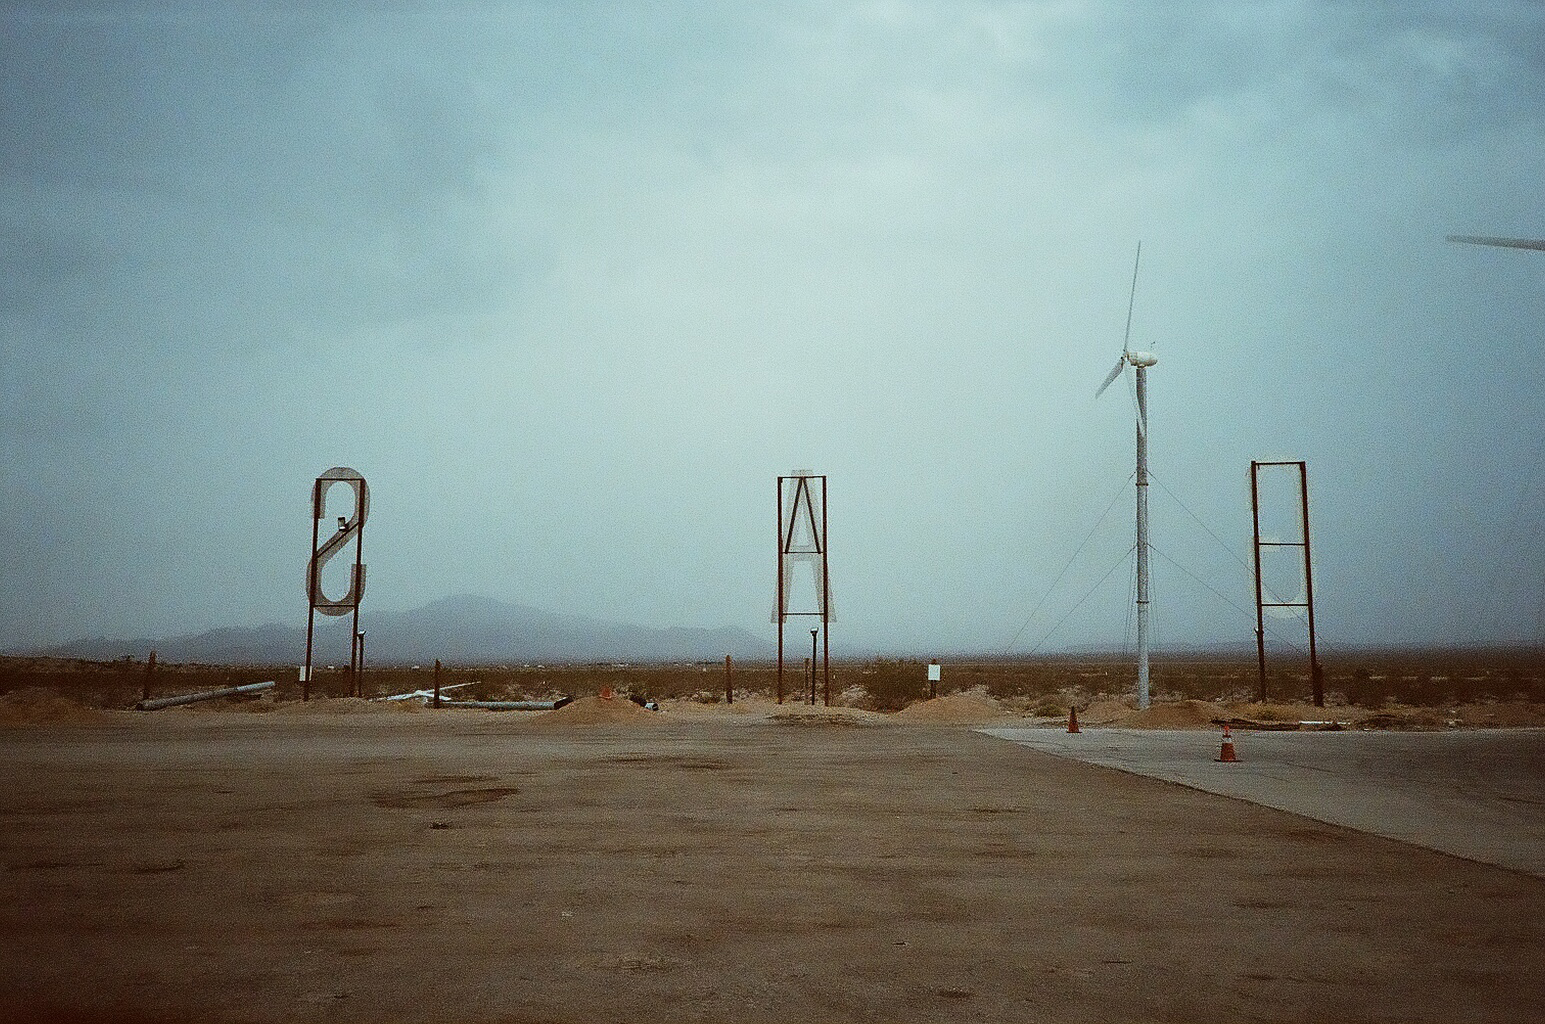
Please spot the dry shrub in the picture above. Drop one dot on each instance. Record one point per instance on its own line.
(1050, 706)
(1045, 685)
(892, 685)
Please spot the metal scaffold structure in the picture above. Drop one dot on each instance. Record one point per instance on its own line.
(802, 542)
(1302, 579)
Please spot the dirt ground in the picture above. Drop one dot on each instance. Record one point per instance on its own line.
(344, 862)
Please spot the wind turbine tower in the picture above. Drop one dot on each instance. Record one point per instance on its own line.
(1140, 362)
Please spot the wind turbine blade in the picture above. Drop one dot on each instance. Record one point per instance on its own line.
(1506, 243)
(1126, 338)
(1111, 377)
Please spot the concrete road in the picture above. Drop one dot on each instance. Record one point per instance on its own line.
(1474, 794)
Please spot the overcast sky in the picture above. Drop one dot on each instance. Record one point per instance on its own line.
(571, 284)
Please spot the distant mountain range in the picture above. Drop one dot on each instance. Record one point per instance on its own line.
(457, 630)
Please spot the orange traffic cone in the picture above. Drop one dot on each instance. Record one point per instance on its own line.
(1072, 718)
(1227, 753)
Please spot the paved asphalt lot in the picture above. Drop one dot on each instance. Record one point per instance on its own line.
(1475, 794)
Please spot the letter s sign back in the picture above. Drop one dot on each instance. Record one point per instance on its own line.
(350, 529)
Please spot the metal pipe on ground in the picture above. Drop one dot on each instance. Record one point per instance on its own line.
(194, 698)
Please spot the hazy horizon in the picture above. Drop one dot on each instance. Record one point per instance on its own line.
(571, 284)
(138, 648)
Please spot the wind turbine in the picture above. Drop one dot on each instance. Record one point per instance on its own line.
(1505, 243)
(1140, 362)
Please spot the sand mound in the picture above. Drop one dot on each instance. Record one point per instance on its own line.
(1279, 711)
(1104, 712)
(35, 706)
(1185, 714)
(954, 709)
(1405, 719)
(742, 708)
(1501, 714)
(598, 711)
(320, 705)
(804, 714)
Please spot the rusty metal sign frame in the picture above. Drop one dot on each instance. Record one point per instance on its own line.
(796, 492)
(1316, 675)
(350, 528)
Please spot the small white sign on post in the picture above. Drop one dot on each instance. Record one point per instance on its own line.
(933, 672)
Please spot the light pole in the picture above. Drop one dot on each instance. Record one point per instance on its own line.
(812, 667)
(359, 663)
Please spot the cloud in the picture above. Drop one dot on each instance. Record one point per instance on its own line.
(571, 283)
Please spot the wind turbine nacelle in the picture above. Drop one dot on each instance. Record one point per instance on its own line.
(1142, 359)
